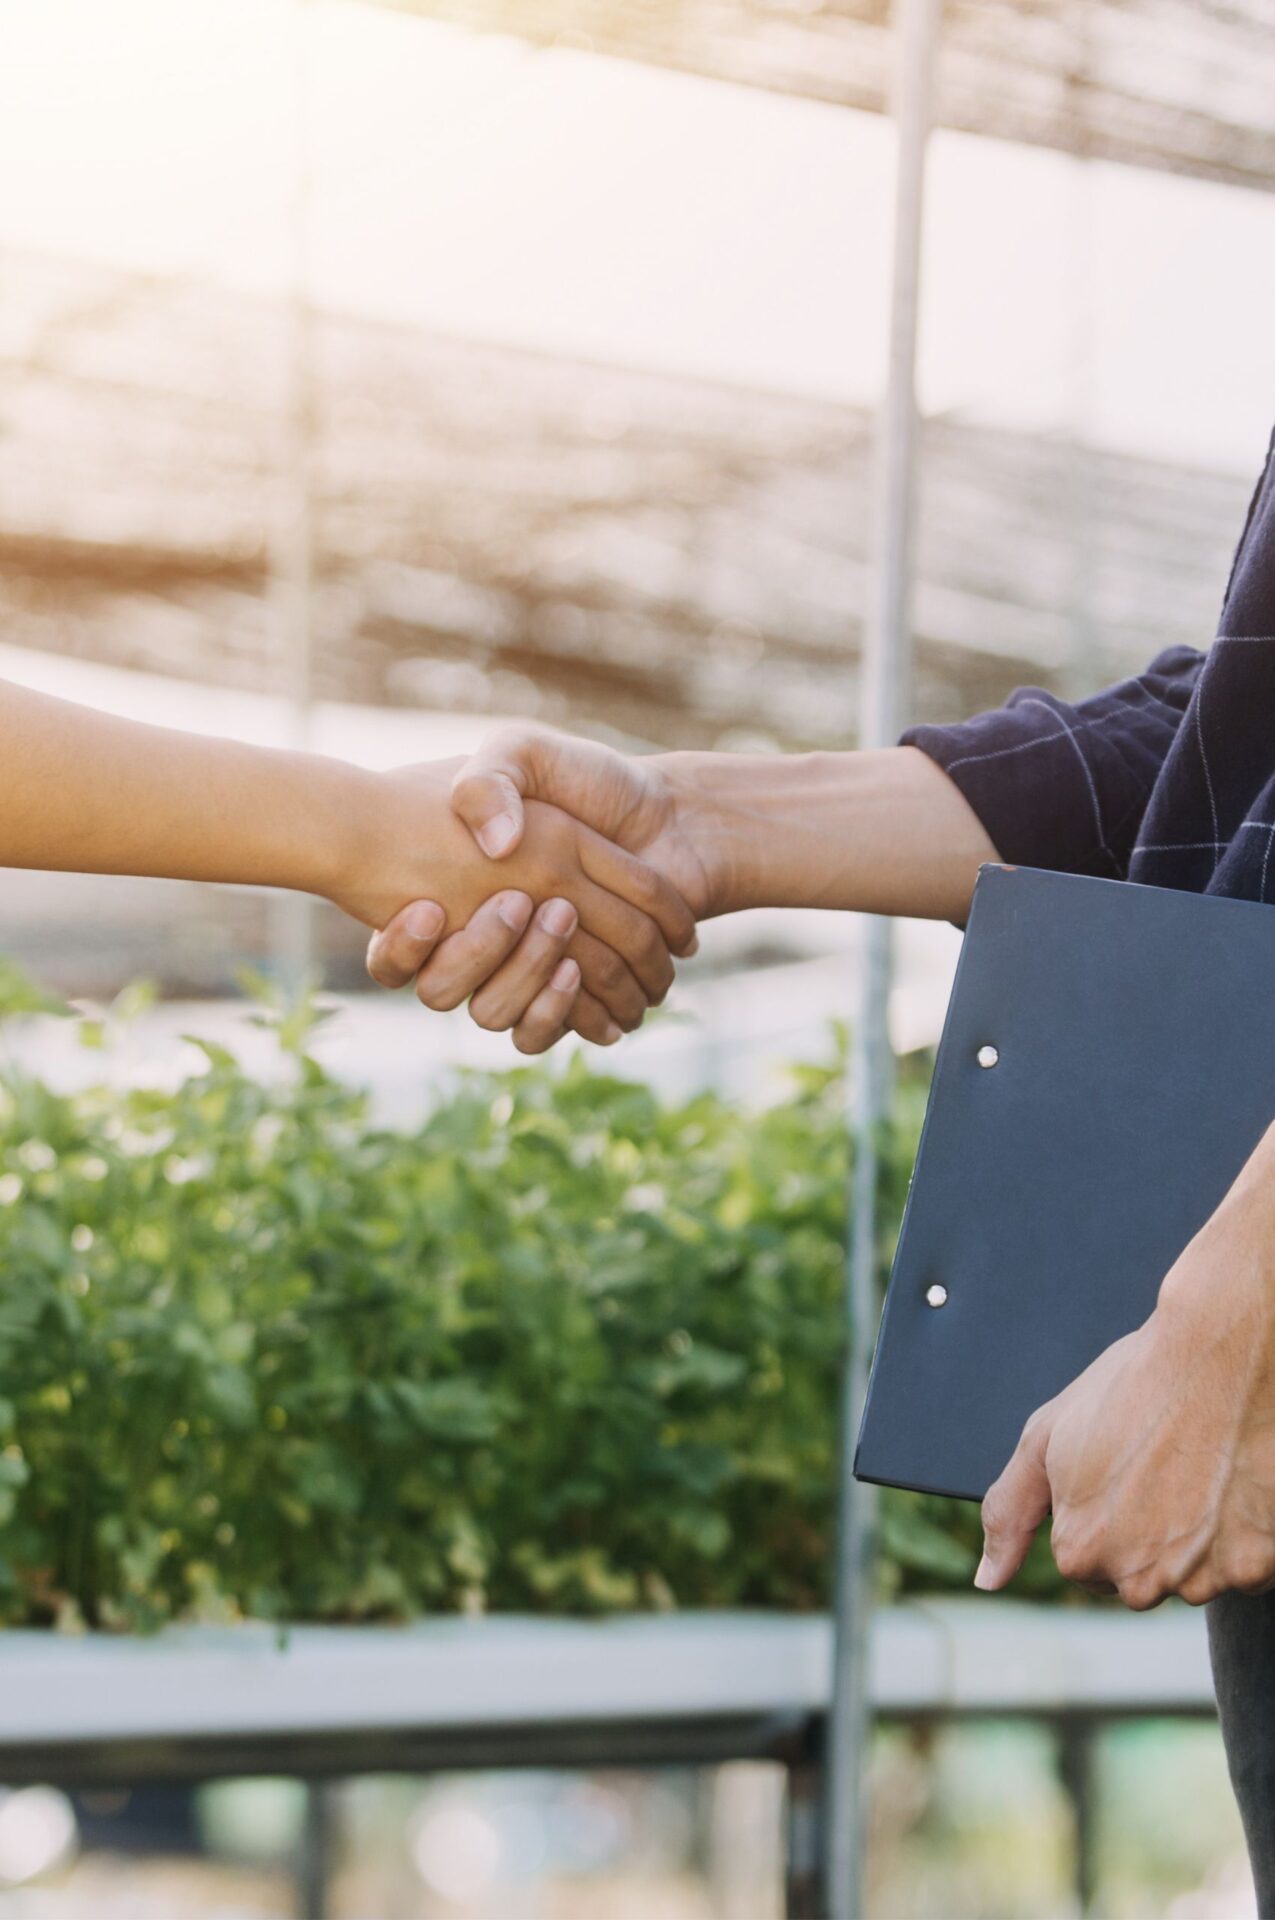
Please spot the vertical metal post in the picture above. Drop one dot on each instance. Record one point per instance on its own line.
(885, 675)
(315, 1851)
(1076, 1772)
(292, 913)
(803, 1868)
(1083, 669)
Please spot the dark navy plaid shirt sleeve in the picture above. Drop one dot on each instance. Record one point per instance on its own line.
(1065, 786)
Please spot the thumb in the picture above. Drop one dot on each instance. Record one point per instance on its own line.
(398, 951)
(516, 763)
(1015, 1505)
(491, 807)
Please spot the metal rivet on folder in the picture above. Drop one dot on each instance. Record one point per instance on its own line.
(987, 1056)
(936, 1295)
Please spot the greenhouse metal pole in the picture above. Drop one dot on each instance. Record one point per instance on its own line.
(883, 704)
(292, 914)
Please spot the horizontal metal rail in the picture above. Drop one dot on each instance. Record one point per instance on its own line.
(508, 1691)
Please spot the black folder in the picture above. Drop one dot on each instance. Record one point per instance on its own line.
(1107, 1066)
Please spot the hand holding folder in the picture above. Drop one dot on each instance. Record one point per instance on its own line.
(1106, 1069)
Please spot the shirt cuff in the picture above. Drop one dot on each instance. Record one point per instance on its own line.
(1066, 787)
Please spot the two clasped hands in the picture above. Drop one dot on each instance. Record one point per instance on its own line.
(608, 861)
(602, 886)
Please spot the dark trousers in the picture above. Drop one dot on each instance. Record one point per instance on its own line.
(1242, 1646)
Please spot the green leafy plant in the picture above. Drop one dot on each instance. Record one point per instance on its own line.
(565, 1347)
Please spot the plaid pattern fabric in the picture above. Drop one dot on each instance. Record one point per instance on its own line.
(1168, 778)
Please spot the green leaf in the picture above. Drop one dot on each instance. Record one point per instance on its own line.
(450, 1409)
(216, 1055)
(133, 1001)
(917, 1542)
(701, 1369)
(20, 994)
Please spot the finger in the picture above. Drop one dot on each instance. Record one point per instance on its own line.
(1014, 1507)
(491, 807)
(520, 763)
(642, 887)
(1200, 1588)
(590, 1019)
(545, 1021)
(503, 1000)
(397, 953)
(609, 978)
(465, 959)
(1141, 1592)
(629, 934)
(488, 791)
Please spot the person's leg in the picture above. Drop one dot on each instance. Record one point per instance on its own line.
(1242, 1647)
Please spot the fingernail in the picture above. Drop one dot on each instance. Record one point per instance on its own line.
(515, 910)
(558, 917)
(694, 946)
(498, 835)
(985, 1577)
(612, 1034)
(425, 920)
(566, 976)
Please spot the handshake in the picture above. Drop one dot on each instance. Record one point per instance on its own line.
(604, 877)
(549, 881)
(608, 862)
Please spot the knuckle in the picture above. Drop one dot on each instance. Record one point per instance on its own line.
(532, 1036)
(995, 1510)
(1249, 1566)
(513, 738)
(499, 744)
(469, 777)
(1141, 1591)
(488, 1015)
(650, 950)
(645, 885)
(440, 996)
(1075, 1552)
(588, 1020)
(610, 971)
(1071, 1562)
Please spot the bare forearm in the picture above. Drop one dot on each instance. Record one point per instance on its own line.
(92, 793)
(879, 832)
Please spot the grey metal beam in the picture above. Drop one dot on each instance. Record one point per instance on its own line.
(292, 914)
(884, 699)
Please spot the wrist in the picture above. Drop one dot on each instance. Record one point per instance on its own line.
(367, 849)
(790, 829)
(867, 832)
(707, 793)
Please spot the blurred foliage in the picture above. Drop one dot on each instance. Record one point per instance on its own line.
(564, 1348)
